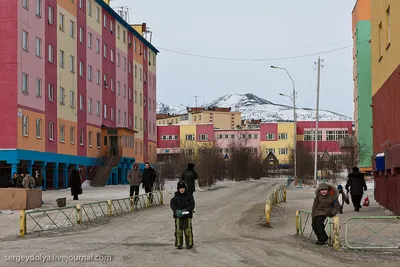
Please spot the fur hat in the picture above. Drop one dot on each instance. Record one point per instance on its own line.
(323, 186)
(181, 184)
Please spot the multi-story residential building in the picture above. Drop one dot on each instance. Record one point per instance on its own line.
(276, 138)
(362, 79)
(222, 118)
(385, 60)
(78, 83)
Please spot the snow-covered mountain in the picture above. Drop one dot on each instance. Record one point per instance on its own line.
(254, 107)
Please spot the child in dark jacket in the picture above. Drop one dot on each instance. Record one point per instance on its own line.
(182, 205)
(342, 198)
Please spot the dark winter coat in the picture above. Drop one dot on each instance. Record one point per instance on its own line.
(76, 184)
(189, 176)
(327, 205)
(182, 202)
(17, 181)
(149, 177)
(356, 183)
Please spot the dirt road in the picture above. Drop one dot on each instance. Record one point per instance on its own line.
(226, 233)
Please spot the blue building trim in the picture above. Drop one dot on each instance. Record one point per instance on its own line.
(127, 26)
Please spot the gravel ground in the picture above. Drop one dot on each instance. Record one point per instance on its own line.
(227, 232)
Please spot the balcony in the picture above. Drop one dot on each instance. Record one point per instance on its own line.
(347, 142)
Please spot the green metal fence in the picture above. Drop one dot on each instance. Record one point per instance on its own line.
(42, 220)
(373, 232)
(304, 225)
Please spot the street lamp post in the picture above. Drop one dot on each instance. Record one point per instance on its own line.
(293, 98)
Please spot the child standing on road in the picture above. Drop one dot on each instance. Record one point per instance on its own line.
(342, 198)
(182, 205)
(325, 205)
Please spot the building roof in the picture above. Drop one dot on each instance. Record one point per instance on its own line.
(128, 27)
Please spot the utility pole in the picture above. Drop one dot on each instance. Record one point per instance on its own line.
(319, 66)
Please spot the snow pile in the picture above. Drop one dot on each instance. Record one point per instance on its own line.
(254, 107)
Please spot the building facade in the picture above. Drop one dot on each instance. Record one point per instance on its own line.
(361, 18)
(79, 83)
(270, 137)
(385, 59)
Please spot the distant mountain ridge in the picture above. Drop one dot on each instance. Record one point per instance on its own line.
(254, 107)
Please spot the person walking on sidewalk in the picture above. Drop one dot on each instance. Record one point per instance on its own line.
(134, 179)
(76, 184)
(325, 205)
(148, 178)
(189, 176)
(356, 184)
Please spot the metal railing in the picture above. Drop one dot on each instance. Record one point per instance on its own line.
(361, 229)
(304, 228)
(42, 220)
(277, 197)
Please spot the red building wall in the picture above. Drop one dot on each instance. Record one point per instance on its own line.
(268, 128)
(301, 125)
(9, 72)
(51, 73)
(207, 129)
(168, 130)
(146, 107)
(131, 90)
(81, 57)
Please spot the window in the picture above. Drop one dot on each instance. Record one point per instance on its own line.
(130, 93)
(203, 137)
(61, 18)
(125, 90)
(130, 67)
(124, 63)
(112, 55)
(309, 135)
(81, 68)
(81, 104)
(81, 137)
(90, 142)
(119, 88)
(380, 41)
(98, 137)
(72, 64)
(135, 70)
(61, 59)
(130, 120)
(154, 129)
(140, 73)
(270, 136)
(282, 136)
(25, 83)
(98, 77)
(25, 4)
(283, 151)
(51, 131)
(39, 8)
(105, 111)
(38, 87)
(388, 26)
(135, 122)
(89, 7)
(134, 45)
(38, 128)
(51, 53)
(111, 27)
(105, 80)
(105, 21)
(98, 14)
(125, 118)
(140, 99)
(112, 114)
(90, 40)
(72, 99)
(119, 116)
(90, 105)
(190, 137)
(118, 32)
(272, 150)
(51, 15)
(336, 135)
(98, 108)
(25, 125)
(112, 84)
(118, 59)
(50, 89)
(25, 40)
(62, 133)
(124, 37)
(150, 105)
(81, 4)
(72, 135)
(97, 45)
(38, 47)
(62, 96)
(81, 35)
(105, 51)
(141, 124)
(89, 73)
(71, 29)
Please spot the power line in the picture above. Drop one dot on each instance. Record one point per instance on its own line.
(257, 59)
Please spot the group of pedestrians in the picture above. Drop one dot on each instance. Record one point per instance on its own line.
(147, 179)
(330, 200)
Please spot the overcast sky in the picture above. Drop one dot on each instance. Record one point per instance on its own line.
(250, 29)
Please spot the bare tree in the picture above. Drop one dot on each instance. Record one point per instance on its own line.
(304, 161)
(354, 151)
